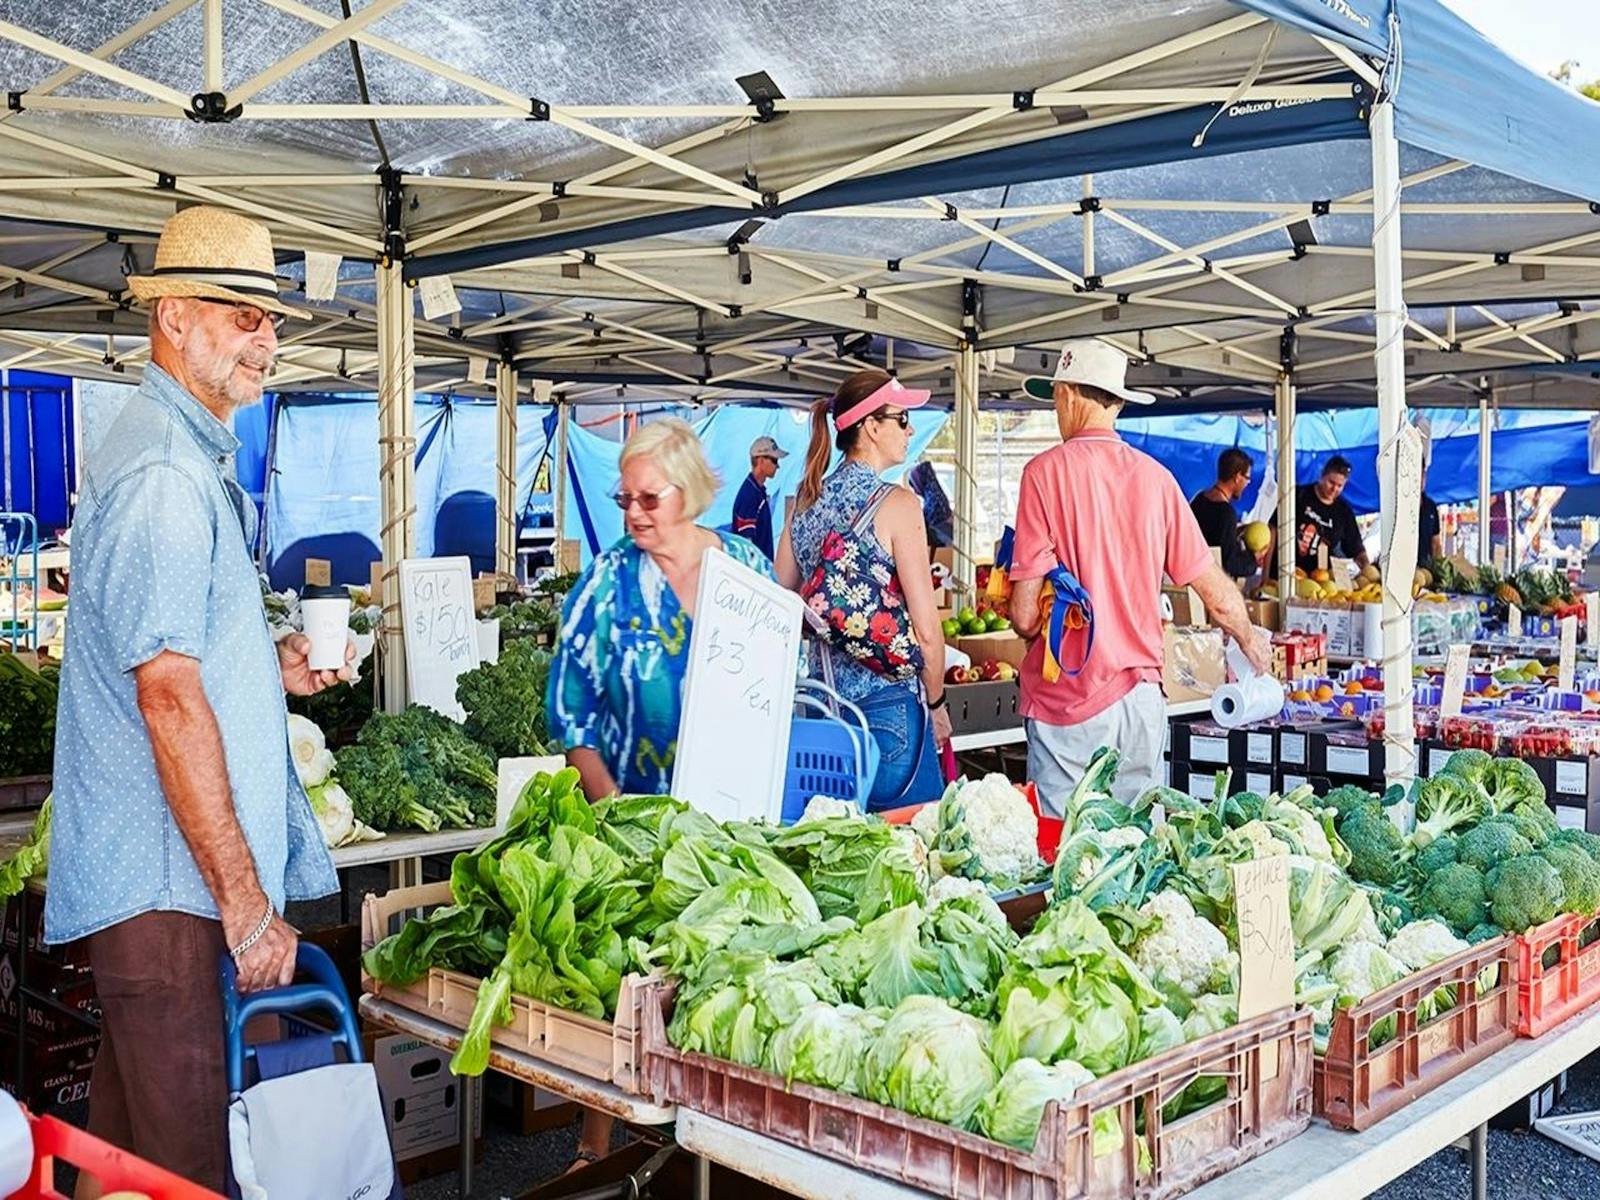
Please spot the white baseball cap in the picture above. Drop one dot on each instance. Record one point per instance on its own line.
(765, 447)
(1094, 363)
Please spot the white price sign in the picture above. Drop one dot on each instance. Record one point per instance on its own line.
(1455, 681)
(1513, 621)
(1569, 653)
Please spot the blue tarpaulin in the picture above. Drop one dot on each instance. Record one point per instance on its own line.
(727, 434)
(1530, 449)
(36, 449)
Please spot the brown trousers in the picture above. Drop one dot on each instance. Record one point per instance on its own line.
(159, 1088)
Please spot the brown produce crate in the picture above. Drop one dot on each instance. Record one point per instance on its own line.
(603, 1050)
(23, 791)
(1355, 1086)
(1256, 1115)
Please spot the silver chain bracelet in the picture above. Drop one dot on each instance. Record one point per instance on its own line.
(255, 936)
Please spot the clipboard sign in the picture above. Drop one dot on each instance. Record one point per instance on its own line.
(738, 693)
(1455, 680)
(441, 633)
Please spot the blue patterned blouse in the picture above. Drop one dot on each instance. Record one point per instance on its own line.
(616, 680)
(844, 494)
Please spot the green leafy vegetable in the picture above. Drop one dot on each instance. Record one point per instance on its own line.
(931, 1060)
(504, 701)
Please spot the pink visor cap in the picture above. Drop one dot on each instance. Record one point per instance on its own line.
(893, 394)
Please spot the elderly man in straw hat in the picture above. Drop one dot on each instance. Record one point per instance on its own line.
(180, 829)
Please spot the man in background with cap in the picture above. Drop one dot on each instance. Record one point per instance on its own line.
(1095, 512)
(180, 829)
(752, 508)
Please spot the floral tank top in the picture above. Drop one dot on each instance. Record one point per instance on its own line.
(844, 494)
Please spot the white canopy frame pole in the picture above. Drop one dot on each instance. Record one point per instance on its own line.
(1485, 476)
(397, 442)
(558, 482)
(505, 494)
(966, 414)
(1285, 413)
(1400, 751)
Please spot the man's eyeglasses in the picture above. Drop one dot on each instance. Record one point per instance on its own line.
(247, 317)
(648, 501)
(902, 419)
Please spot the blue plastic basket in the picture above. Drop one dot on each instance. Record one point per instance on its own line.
(828, 756)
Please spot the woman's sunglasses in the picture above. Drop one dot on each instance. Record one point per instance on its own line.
(247, 317)
(902, 419)
(648, 501)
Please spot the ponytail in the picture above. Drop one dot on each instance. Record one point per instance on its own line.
(818, 455)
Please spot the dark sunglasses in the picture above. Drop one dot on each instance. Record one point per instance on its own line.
(247, 317)
(648, 501)
(902, 419)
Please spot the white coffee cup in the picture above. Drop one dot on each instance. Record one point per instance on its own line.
(325, 619)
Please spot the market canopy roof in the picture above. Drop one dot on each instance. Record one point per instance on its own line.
(656, 206)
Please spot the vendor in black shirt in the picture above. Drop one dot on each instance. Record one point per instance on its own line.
(1322, 518)
(1219, 521)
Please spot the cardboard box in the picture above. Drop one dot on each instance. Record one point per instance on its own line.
(1193, 665)
(1187, 610)
(1004, 646)
(57, 1055)
(1268, 614)
(421, 1099)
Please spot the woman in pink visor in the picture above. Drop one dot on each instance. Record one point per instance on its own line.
(841, 552)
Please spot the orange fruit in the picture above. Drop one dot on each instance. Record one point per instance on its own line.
(1300, 695)
(1353, 688)
(1324, 693)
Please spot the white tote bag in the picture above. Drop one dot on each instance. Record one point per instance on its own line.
(313, 1135)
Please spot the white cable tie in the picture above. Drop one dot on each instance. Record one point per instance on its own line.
(1242, 87)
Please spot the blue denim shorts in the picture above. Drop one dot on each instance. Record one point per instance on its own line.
(908, 766)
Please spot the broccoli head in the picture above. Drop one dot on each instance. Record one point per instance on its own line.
(1440, 853)
(1446, 803)
(1391, 910)
(1587, 842)
(1580, 877)
(1241, 808)
(1490, 844)
(1348, 797)
(1377, 849)
(1469, 764)
(1533, 821)
(1524, 892)
(1457, 895)
(1510, 782)
(1486, 932)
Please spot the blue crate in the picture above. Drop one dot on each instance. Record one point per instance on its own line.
(832, 754)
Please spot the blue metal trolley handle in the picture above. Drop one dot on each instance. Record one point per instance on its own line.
(327, 993)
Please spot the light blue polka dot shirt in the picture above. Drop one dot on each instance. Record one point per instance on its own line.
(161, 561)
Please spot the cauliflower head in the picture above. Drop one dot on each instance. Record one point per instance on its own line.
(1422, 943)
(1002, 827)
(948, 887)
(1362, 968)
(1181, 951)
(819, 808)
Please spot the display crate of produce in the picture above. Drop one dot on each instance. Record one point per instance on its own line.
(1558, 972)
(984, 707)
(1356, 1085)
(1261, 1110)
(604, 1050)
(1425, 721)
(1479, 731)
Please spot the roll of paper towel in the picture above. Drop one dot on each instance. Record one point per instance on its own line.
(16, 1146)
(1254, 699)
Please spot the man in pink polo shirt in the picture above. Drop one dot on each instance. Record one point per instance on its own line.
(1115, 520)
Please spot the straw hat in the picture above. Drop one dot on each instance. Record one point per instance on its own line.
(217, 254)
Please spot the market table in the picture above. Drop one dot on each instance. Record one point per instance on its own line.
(590, 1093)
(1320, 1164)
(404, 852)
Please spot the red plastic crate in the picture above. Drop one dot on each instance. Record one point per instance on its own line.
(1558, 972)
(116, 1170)
(1049, 827)
(1355, 1086)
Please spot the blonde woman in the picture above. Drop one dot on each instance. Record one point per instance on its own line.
(616, 681)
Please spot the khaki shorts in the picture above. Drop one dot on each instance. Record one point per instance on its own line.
(1136, 725)
(159, 1087)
